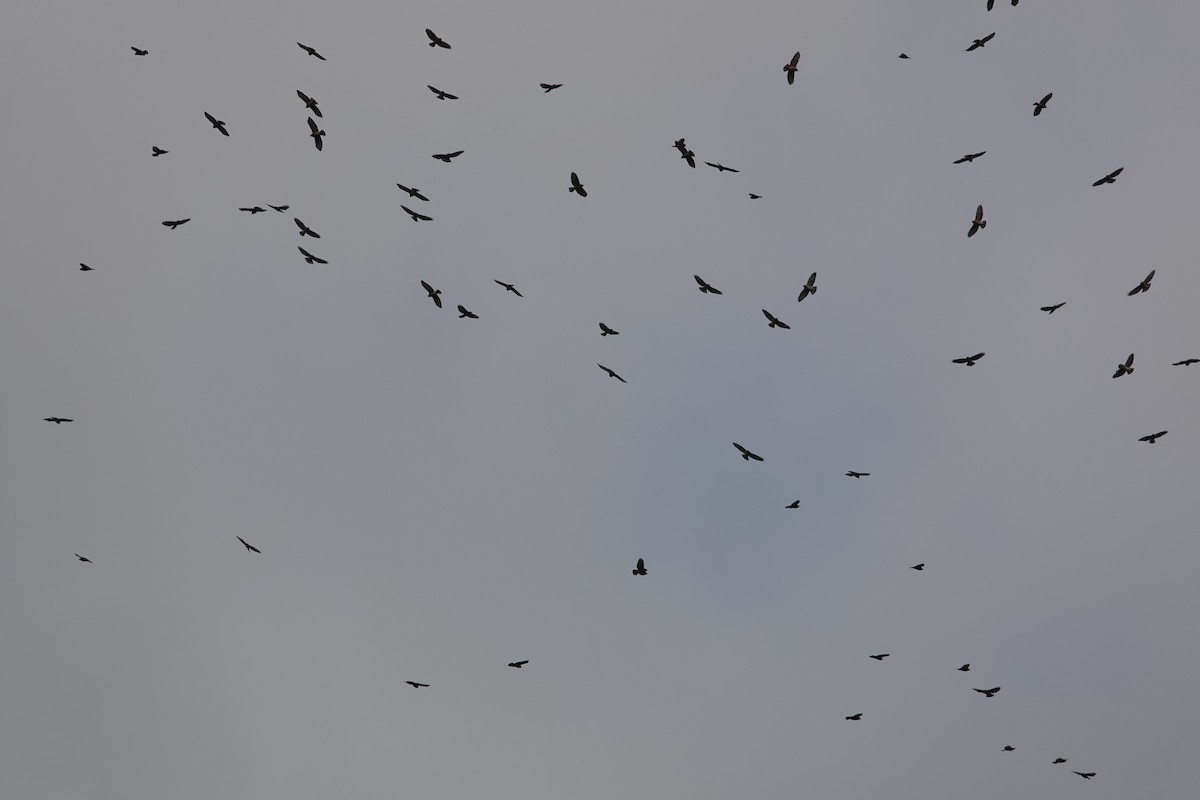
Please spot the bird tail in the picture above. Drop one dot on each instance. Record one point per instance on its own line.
(983, 223)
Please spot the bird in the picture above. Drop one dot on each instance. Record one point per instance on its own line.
(416, 685)
(309, 103)
(139, 52)
(1126, 368)
(918, 567)
(746, 454)
(684, 153)
(904, 55)
(881, 656)
(612, 374)
(305, 230)
(1040, 105)
(640, 569)
(1152, 438)
(84, 267)
(977, 223)
(754, 196)
(316, 133)
(1053, 308)
(310, 258)
(969, 157)
(1087, 776)
(605, 330)
(705, 288)
(721, 167)
(1187, 362)
(1144, 286)
(965, 668)
(790, 68)
(794, 504)
(435, 40)
(968, 360)
(773, 321)
(989, 692)
(442, 95)
(855, 717)
(447, 156)
(412, 192)
(809, 288)
(311, 51)
(1008, 748)
(550, 87)
(217, 123)
(518, 664)
(1110, 177)
(280, 209)
(1059, 761)
(433, 294)
(249, 546)
(508, 287)
(415, 216)
(464, 314)
(58, 420)
(254, 210)
(83, 559)
(175, 223)
(576, 186)
(155, 152)
(853, 474)
(977, 43)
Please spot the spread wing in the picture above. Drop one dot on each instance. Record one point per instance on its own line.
(211, 118)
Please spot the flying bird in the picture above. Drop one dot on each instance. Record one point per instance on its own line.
(754, 196)
(138, 52)
(773, 321)
(1008, 748)
(794, 504)
(433, 294)
(518, 664)
(305, 230)
(989, 692)
(746, 454)
(605, 330)
(280, 209)
(1144, 286)
(442, 95)
(965, 668)
(881, 656)
(316, 133)
(57, 420)
(83, 559)
(969, 157)
(976, 44)
(790, 68)
(416, 685)
(447, 156)
(576, 186)
(855, 717)
(612, 374)
(686, 154)
(904, 55)
(464, 314)
(1152, 438)
(809, 288)
(706, 288)
(1053, 308)
(1040, 105)
(1087, 776)
(155, 152)
(853, 474)
(1187, 362)
(1110, 177)
(968, 360)
(415, 216)
(311, 51)
(217, 123)
(310, 258)
(435, 40)
(1126, 368)
(508, 287)
(640, 569)
(1059, 761)
(721, 167)
(84, 267)
(412, 192)
(550, 87)
(254, 210)
(249, 546)
(977, 223)
(918, 567)
(309, 103)
(175, 223)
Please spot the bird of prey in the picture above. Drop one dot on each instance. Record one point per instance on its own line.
(773, 321)
(686, 154)
(977, 223)
(442, 95)
(640, 569)
(304, 229)
(790, 68)
(550, 87)
(138, 52)
(605, 330)
(280, 209)
(1040, 105)
(217, 123)
(1110, 177)
(576, 186)
(1008, 748)
(918, 567)
(853, 474)
(855, 717)
(1053, 308)
(794, 504)
(989, 692)
(977, 43)
(754, 196)
(309, 103)
(1152, 438)
(508, 287)
(1187, 362)
(412, 192)
(1059, 761)
(706, 288)
(1126, 368)
(612, 374)
(809, 288)
(881, 656)
(968, 360)
(175, 223)
(249, 546)
(155, 152)
(721, 167)
(83, 559)
(254, 210)
(312, 51)
(447, 156)
(58, 420)
(416, 685)
(84, 267)
(1144, 286)
(969, 157)
(433, 294)
(316, 133)
(904, 55)
(415, 216)
(518, 664)
(746, 454)
(310, 258)
(464, 314)
(1087, 776)
(965, 668)
(435, 40)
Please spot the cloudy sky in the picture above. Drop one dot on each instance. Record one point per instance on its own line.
(435, 497)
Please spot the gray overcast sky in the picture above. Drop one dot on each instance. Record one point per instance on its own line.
(436, 497)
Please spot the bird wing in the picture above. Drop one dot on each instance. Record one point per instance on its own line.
(979, 214)
(1149, 277)
(812, 281)
(795, 60)
(1116, 172)
(312, 125)
(641, 564)
(211, 118)
(1129, 361)
(1046, 99)
(428, 289)
(987, 38)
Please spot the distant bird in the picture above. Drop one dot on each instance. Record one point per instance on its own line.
(175, 223)
(310, 258)
(794, 504)
(1187, 362)
(790, 68)
(721, 167)
(918, 567)
(311, 51)
(138, 52)
(687, 155)
(1040, 105)
(550, 87)
(853, 474)
(1152, 438)
(83, 559)
(416, 685)
(1008, 748)
(1144, 286)
(447, 156)
(415, 216)
(746, 454)
(881, 656)
(606, 331)
(433, 294)
(254, 210)
(809, 288)
(965, 668)
(754, 196)
(412, 192)
(464, 314)
(773, 321)
(1053, 308)
(508, 287)
(968, 360)
(855, 717)
(280, 209)
(155, 152)
(518, 664)
(1059, 761)
(612, 374)
(316, 133)
(969, 157)
(976, 44)
(988, 692)
(1110, 177)
(84, 267)
(576, 186)
(705, 288)
(442, 95)
(1126, 368)
(305, 230)
(1087, 776)
(57, 420)
(435, 40)
(309, 103)
(640, 569)
(977, 223)
(904, 55)
(249, 546)
(217, 123)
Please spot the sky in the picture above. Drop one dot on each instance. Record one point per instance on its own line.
(435, 497)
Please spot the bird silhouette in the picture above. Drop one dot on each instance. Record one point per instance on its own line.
(969, 157)
(57, 420)
(1144, 286)
(721, 167)
(684, 153)
(904, 55)
(774, 322)
(988, 692)
(280, 209)
(415, 216)
(412, 192)
(464, 314)
(612, 374)
(175, 223)
(1053, 308)
(791, 67)
(977, 223)
(1126, 368)
(311, 51)
(918, 567)
(305, 230)
(968, 360)
(447, 156)
(217, 123)
(518, 664)
(965, 668)
(808, 288)
(640, 569)
(249, 546)
(254, 210)
(978, 43)
(84, 267)
(1187, 362)
(316, 133)
(83, 559)
(138, 52)
(576, 186)
(1152, 438)
(705, 288)
(881, 656)
(1040, 105)
(309, 103)
(1008, 748)
(855, 717)
(746, 454)
(433, 294)
(1087, 776)
(442, 95)
(508, 287)
(310, 258)
(416, 685)
(607, 331)
(1110, 177)
(755, 196)
(435, 40)
(1059, 761)
(853, 474)
(155, 152)
(794, 504)
(550, 87)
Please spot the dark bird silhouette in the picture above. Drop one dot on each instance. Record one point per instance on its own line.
(918, 567)
(508, 287)
(969, 157)
(84, 267)
(978, 43)
(791, 67)
(1126, 368)
(977, 223)
(175, 223)
(518, 664)
(316, 133)
(965, 668)
(138, 52)
(1152, 438)
(1110, 177)
(412, 192)
(773, 321)
(249, 546)
(280, 209)
(606, 331)
(447, 156)
(1144, 286)
(464, 314)
(853, 474)
(754, 196)
(1187, 362)
(968, 360)
(988, 692)
(415, 216)
(1053, 308)
(686, 154)
(1040, 105)
(442, 95)
(794, 504)
(416, 685)
(310, 258)
(254, 210)
(612, 374)
(83, 559)
(550, 87)
(217, 123)
(855, 717)
(881, 656)
(706, 288)
(305, 230)
(433, 294)
(57, 420)
(1059, 761)
(904, 55)
(721, 167)
(155, 152)
(640, 569)
(1087, 776)
(576, 186)
(746, 454)
(311, 51)
(309, 103)
(1008, 748)
(809, 288)
(435, 40)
